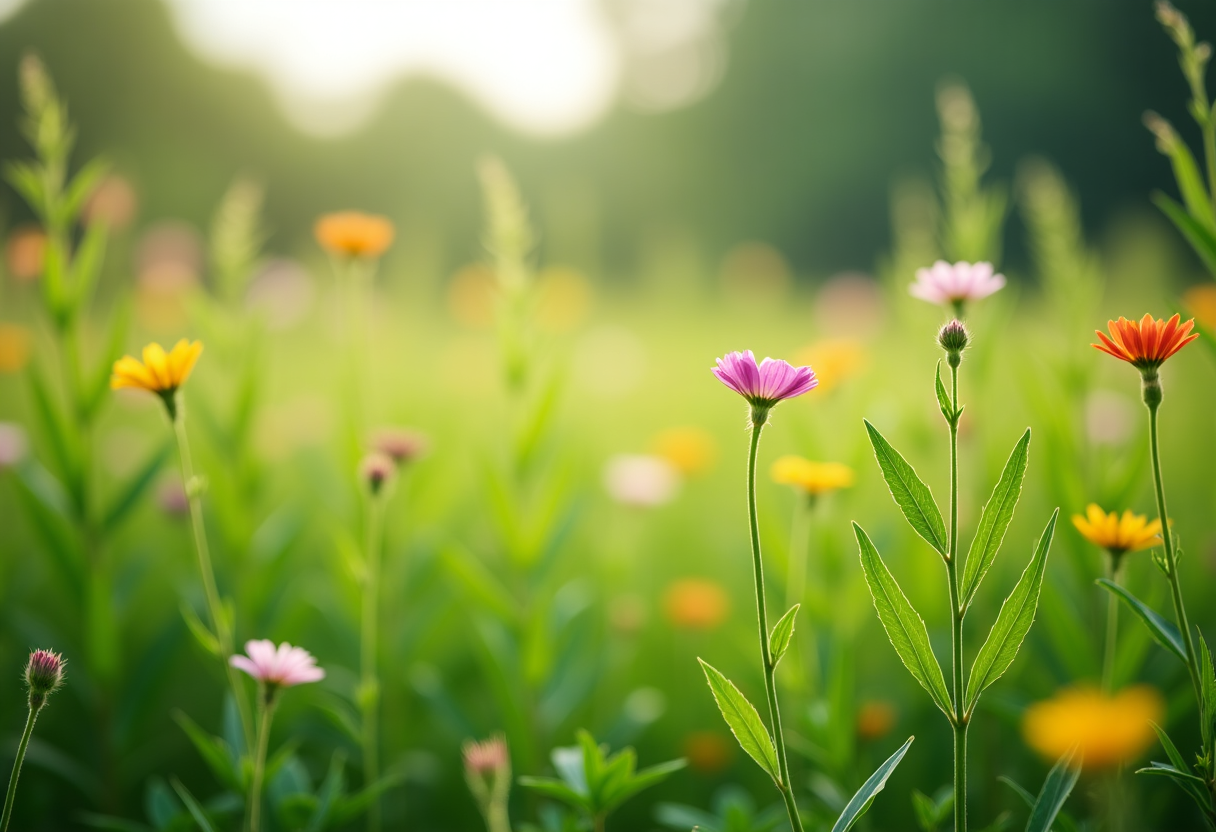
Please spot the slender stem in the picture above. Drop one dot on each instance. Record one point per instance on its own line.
(269, 701)
(1171, 560)
(770, 687)
(1113, 572)
(369, 694)
(219, 621)
(12, 780)
(959, 722)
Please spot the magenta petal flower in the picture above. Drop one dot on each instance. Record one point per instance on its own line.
(284, 666)
(944, 284)
(766, 383)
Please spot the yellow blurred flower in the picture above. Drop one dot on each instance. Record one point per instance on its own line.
(1115, 534)
(14, 347)
(25, 252)
(1106, 730)
(812, 477)
(833, 360)
(695, 604)
(691, 450)
(1200, 301)
(875, 718)
(160, 372)
(707, 752)
(473, 296)
(354, 234)
(563, 297)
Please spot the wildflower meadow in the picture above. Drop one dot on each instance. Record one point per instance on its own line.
(348, 519)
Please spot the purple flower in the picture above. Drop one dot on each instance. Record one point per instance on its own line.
(44, 673)
(766, 383)
(945, 284)
(284, 666)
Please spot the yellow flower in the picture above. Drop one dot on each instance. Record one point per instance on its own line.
(690, 450)
(834, 360)
(14, 347)
(812, 477)
(1106, 730)
(354, 234)
(1200, 301)
(696, 604)
(160, 372)
(1115, 534)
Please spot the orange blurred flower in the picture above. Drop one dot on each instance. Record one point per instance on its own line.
(14, 347)
(1200, 301)
(25, 252)
(114, 203)
(834, 360)
(1106, 730)
(691, 450)
(1146, 343)
(875, 718)
(696, 604)
(812, 477)
(354, 234)
(707, 752)
(1115, 534)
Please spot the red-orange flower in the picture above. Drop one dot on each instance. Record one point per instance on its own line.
(1148, 342)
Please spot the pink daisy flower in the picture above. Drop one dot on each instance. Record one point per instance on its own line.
(944, 284)
(766, 383)
(284, 666)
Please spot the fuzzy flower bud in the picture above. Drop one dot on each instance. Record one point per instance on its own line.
(43, 675)
(953, 338)
(400, 445)
(375, 470)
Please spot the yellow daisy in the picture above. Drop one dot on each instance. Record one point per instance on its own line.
(1115, 534)
(160, 372)
(1106, 730)
(812, 477)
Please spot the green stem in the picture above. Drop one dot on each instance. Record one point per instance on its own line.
(369, 699)
(12, 781)
(219, 621)
(269, 701)
(770, 688)
(960, 719)
(1113, 572)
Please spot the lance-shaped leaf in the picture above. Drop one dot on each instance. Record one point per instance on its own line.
(743, 720)
(905, 628)
(1056, 788)
(911, 494)
(861, 801)
(1178, 771)
(1163, 631)
(1012, 622)
(943, 398)
(783, 632)
(1201, 238)
(995, 518)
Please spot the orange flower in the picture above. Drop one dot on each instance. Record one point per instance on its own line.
(1148, 343)
(1131, 533)
(14, 347)
(354, 234)
(874, 719)
(707, 752)
(160, 372)
(1106, 730)
(695, 604)
(1200, 301)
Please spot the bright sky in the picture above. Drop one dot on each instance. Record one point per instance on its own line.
(547, 67)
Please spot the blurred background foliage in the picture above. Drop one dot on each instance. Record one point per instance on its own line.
(534, 581)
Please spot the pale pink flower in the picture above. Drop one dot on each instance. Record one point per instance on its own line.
(944, 284)
(284, 666)
(641, 480)
(486, 757)
(766, 383)
(400, 444)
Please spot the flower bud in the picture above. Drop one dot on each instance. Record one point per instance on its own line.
(953, 338)
(43, 675)
(375, 470)
(400, 445)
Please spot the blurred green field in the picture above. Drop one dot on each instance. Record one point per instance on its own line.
(519, 594)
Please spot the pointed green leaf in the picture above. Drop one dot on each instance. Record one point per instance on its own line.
(905, 628)
(1190, 182)
(86, 265)
(783, 632)
(861, 801)
(202, 633)
(943, 398)
(1207, 682)
(644, 779)
(1197, 793)
(743, 720)
(1200, 238)
(1056, 788)
(1012, 622)
(213, 750)
(557, 790)
(911, 494)
(192, 806)
(1163, 631)
(995, 518)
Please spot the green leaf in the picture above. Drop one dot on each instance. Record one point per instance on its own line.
(83, 184)
(861, 801)
(112, 824)
(1197, 793)
(943, 399)
(213, 750)
(995, 518)
(1190, 183)
(911, 494)
(743, 720)
(328, 793)
(202, 633)
(925, 810)
(1012, 622)
(644, 779)
(1056, 788)
(86, 266)
(136, 488)
(1200, 238)
(905, 628)
(1163, 631)
(557, 790)
(783, 632)
(192, 806)
(1207, 682)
